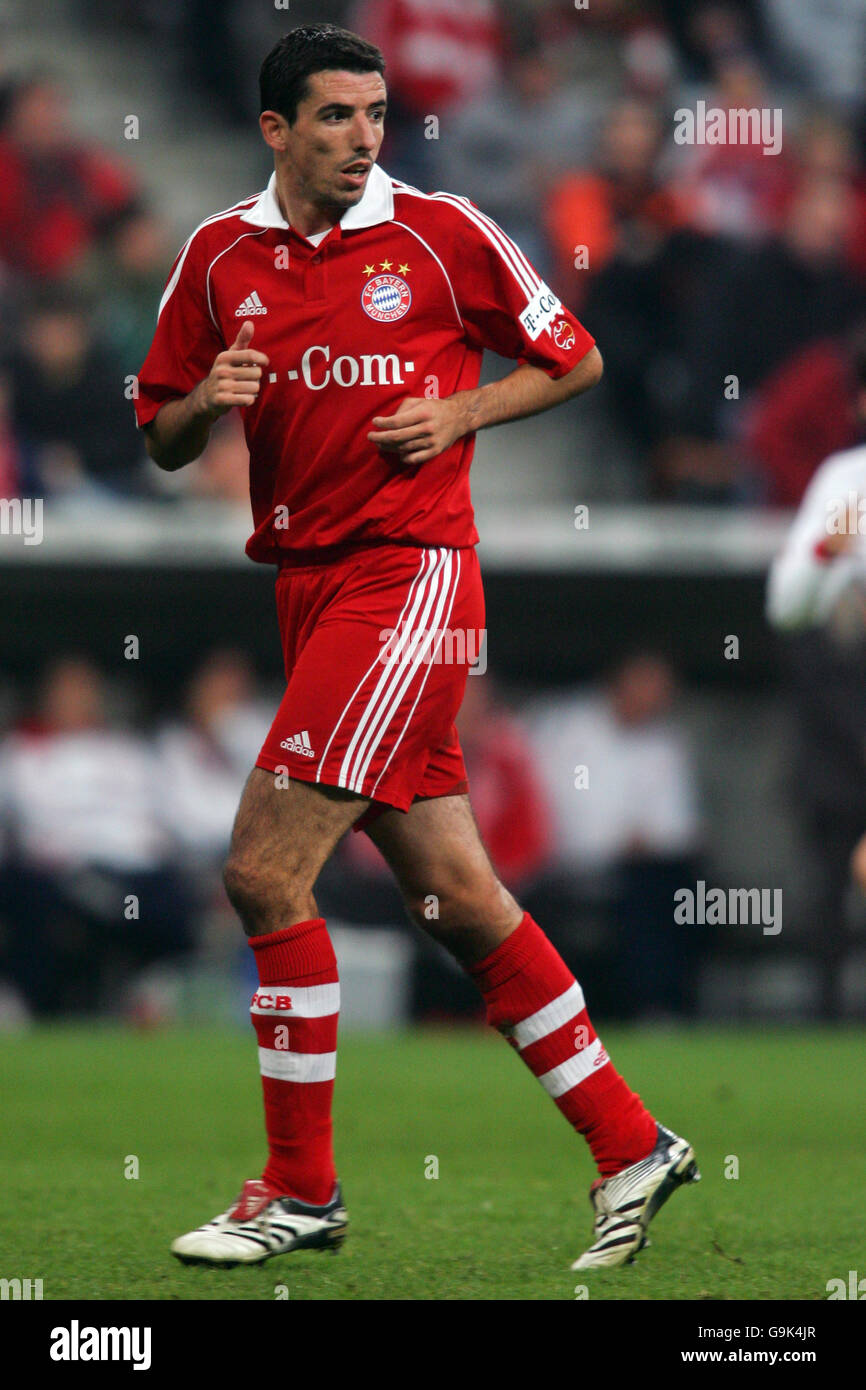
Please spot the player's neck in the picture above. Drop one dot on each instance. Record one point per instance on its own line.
(304, 217)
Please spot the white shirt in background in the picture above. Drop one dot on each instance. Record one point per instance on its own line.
(640, 784)
(88, 797)
(802, 588)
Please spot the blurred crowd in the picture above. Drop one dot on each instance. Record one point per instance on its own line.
(116, 822)
(725, 285)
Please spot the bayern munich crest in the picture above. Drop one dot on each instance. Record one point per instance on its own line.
(386, 298)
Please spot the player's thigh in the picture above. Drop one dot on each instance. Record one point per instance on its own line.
(286, 828)
(436, 848)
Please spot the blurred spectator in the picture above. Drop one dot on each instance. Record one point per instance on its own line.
(794, 290)
(600, 27)
(816, 594)
(129, 287)
(826, 676)
(208, 41)
(205, 759)
(88, 891)
(620, 207)
(68, 407)
(814, 405)
(763, 306)
(59, 197)
(736, 190)
(708, 32)
(619, 775)
(643, 270)
(821, 47)
(11, 458)
(819, 576)
(505, 150)
(440, 57)
(825, 147)
(222, 471)
(508, 799)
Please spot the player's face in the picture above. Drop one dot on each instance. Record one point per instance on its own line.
(336, 137)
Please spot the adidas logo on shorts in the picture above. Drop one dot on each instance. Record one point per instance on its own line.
(251, 305)
(300, 743)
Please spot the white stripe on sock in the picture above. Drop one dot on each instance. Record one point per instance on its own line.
(313, 1001)
(567, 1075)
(551, 1017)
(297, 1066)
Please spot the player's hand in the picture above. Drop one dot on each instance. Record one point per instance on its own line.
(235, 376)
(836, 543)
(421, 429)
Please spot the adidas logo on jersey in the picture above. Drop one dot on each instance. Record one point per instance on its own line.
(251, 305)
(300, 743)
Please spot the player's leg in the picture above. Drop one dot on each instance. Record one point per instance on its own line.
(284, 832)
(437, 856)
(531, 995)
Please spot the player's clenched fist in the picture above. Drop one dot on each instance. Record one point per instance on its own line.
(235, 376)
(421, 429)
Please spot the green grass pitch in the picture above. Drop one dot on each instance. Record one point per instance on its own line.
(508, 1211)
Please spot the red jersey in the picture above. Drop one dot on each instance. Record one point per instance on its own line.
(399, 299)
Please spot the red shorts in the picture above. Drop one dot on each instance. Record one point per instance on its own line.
(377, 646)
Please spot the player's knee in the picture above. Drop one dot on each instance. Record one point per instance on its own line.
(264, 897)
(458, 905)
(242, 882)
(250, 884)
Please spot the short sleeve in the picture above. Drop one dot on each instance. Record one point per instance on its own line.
(186, 340)
(504, 303)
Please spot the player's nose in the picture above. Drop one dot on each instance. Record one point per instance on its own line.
(365, 135)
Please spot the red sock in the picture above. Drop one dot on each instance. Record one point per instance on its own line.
(535, 1001)
(295, 1013)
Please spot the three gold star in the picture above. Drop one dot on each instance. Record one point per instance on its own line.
(386, 265)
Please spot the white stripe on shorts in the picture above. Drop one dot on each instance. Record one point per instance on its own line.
(425, 596)
(376, 662)
(421, 652)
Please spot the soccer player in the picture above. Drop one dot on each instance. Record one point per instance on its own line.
(345, 314)
(817, 587)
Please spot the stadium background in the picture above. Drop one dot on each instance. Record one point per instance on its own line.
(636, 642)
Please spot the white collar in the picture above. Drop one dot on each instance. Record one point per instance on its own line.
(377, 205)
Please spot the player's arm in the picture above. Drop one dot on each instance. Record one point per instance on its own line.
(179, 431)
(822, 554)
(525, 391)
(421, 429)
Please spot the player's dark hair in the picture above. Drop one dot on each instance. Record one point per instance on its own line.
(300, 53)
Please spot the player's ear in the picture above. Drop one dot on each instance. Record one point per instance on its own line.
(274, 128)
